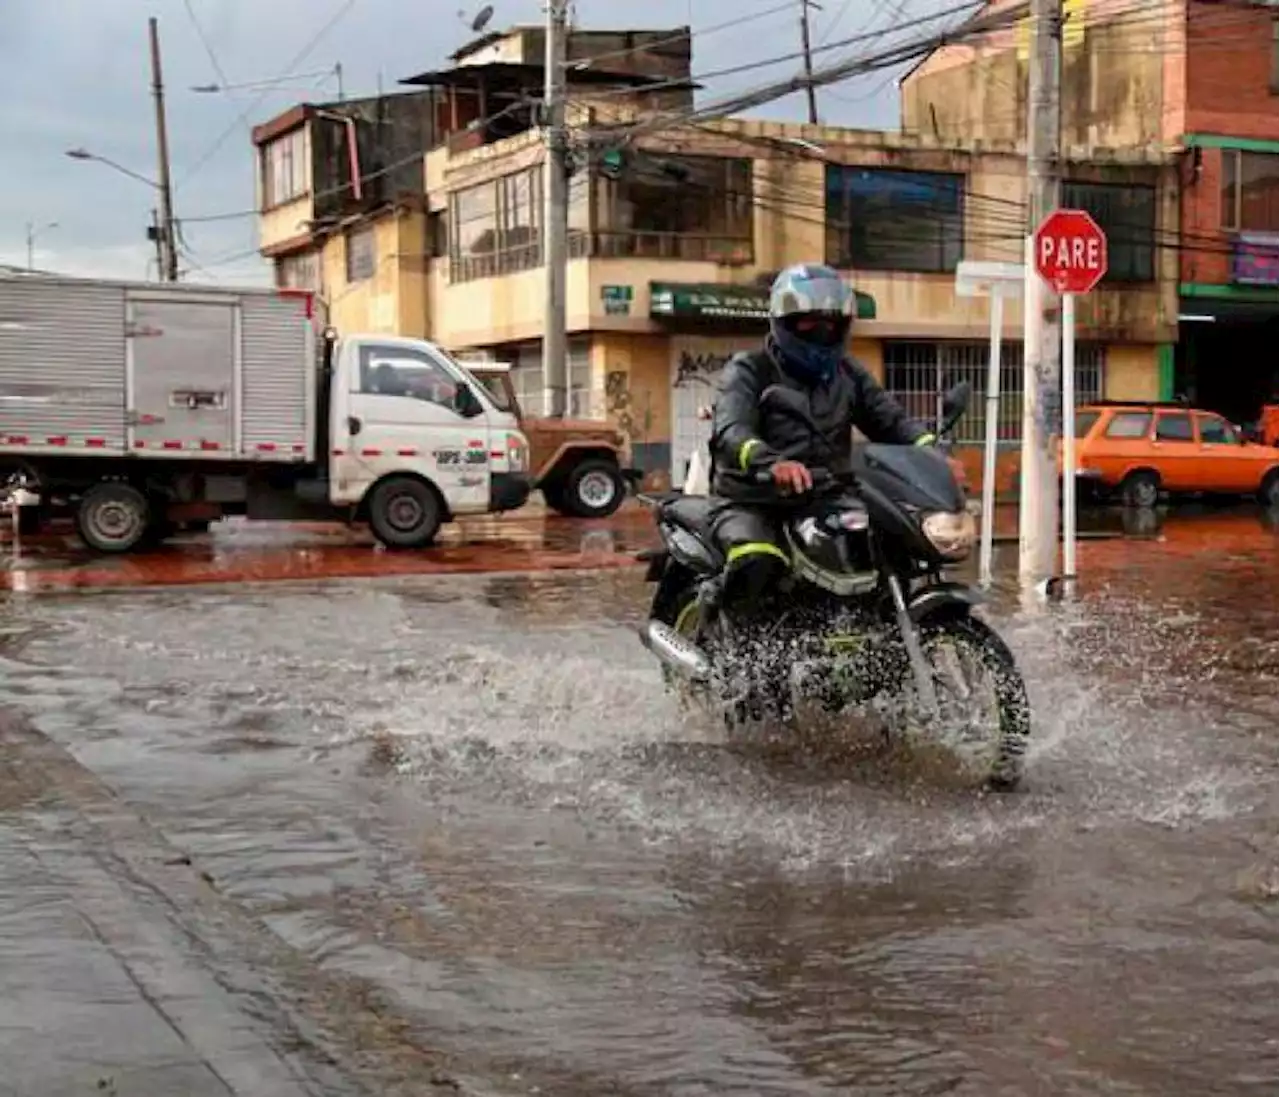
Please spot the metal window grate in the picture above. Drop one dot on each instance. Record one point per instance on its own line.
(917, 374)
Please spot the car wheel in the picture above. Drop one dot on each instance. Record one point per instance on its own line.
(595, 489)
(1140, 489)
(1269, 493)
(113, 517)
(404, 513)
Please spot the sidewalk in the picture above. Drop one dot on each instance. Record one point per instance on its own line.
(101, 990)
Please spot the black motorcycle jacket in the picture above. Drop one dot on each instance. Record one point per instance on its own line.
(746, 438)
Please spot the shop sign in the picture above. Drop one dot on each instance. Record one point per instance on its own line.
(1253, 259)
(699, 301)
(617, 300)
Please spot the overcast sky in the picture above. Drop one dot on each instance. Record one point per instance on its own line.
(74, 73)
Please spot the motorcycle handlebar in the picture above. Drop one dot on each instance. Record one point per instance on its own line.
(822, 478)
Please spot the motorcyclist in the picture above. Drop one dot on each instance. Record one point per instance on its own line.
(810, 319)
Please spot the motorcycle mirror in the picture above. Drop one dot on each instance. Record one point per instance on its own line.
(787, 401)
(954, 404)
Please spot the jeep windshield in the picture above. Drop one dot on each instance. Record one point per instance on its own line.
(492, 383)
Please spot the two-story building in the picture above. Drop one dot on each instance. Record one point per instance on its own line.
(1197, 78)
(674, 237)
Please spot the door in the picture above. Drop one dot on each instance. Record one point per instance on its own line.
(1176, 454)
(1225, 464)
(402, 417)
(181, 375)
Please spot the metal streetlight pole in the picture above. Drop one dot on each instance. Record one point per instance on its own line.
(32, 232)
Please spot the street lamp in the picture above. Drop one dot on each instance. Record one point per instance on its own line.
(162, 234)
(85, 154)
(32, 232)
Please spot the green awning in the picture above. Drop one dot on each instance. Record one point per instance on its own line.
(723, 301)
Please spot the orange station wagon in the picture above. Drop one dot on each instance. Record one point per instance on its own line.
(1139, 450)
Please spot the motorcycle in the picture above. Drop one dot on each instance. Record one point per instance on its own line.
(863, 607)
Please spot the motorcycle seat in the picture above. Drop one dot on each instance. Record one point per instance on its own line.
(693, 513)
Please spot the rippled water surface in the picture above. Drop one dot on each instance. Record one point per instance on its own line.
(470, 796)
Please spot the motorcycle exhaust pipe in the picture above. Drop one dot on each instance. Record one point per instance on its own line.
(676, 651)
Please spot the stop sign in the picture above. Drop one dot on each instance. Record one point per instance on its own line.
(1070, 251)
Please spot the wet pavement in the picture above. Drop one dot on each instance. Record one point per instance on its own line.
(444, 832)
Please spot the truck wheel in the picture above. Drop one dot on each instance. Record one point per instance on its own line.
(404, 513)
(113, 517)
(594, 489)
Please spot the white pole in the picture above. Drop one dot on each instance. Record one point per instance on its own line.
(1069, 436)
(989, 443)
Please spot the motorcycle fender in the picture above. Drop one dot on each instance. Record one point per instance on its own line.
(950, 598)
(656, 559)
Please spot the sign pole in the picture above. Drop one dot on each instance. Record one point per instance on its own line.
(989, 443)
(1069, 437)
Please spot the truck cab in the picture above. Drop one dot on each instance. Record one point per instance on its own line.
(579, 465)
(415, 440)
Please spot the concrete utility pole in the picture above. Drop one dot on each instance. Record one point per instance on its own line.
(809, 89)
(555, 227)
(1041, 346)
(169, 249)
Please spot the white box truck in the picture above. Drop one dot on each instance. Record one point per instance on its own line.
(145, 407)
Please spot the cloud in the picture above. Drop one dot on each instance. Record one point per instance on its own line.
(75, 73)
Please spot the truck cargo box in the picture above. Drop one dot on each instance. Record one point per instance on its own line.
(97, 368)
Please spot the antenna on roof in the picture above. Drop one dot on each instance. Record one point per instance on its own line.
(483, 16)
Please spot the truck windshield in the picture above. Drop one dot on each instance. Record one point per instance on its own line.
(493, 387)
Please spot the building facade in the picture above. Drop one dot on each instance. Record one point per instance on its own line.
(1197, 78)
(673, 249)
(675, 236)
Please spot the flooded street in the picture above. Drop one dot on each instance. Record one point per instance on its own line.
(371, 832)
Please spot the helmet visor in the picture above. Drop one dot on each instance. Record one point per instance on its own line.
(819, 329)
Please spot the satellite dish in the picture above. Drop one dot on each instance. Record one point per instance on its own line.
(482, 18)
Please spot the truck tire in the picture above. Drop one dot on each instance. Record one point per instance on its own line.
(404, 513)
(113, 517)
(594, 488)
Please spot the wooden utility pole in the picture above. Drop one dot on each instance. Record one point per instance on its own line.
(1041, 347)
(168, 239)
(809, 89)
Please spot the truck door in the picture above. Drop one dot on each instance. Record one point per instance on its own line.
(402, 417)
(181, 374)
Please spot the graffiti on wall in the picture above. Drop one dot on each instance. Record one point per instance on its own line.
(698, 369)
(618, 402)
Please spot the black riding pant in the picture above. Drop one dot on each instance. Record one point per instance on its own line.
(751, 540)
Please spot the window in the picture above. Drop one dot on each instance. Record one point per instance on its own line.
(284, 168)
(495, 387)
(1127, 214)
(678, 207)
(1085, 421)
(399, 371)
(1174, 428)
(879, 219)
(527, 378)
(1250, 194)
(300, 271)
(917, 374)
(1216, 432)
(361, 261)
(496, 226)
(437, 236)
(1129, 424)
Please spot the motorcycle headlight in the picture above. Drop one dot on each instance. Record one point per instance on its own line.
(951, 533)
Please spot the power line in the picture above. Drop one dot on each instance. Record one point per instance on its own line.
(301, 56)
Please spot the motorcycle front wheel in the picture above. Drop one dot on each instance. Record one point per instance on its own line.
(991, 744)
